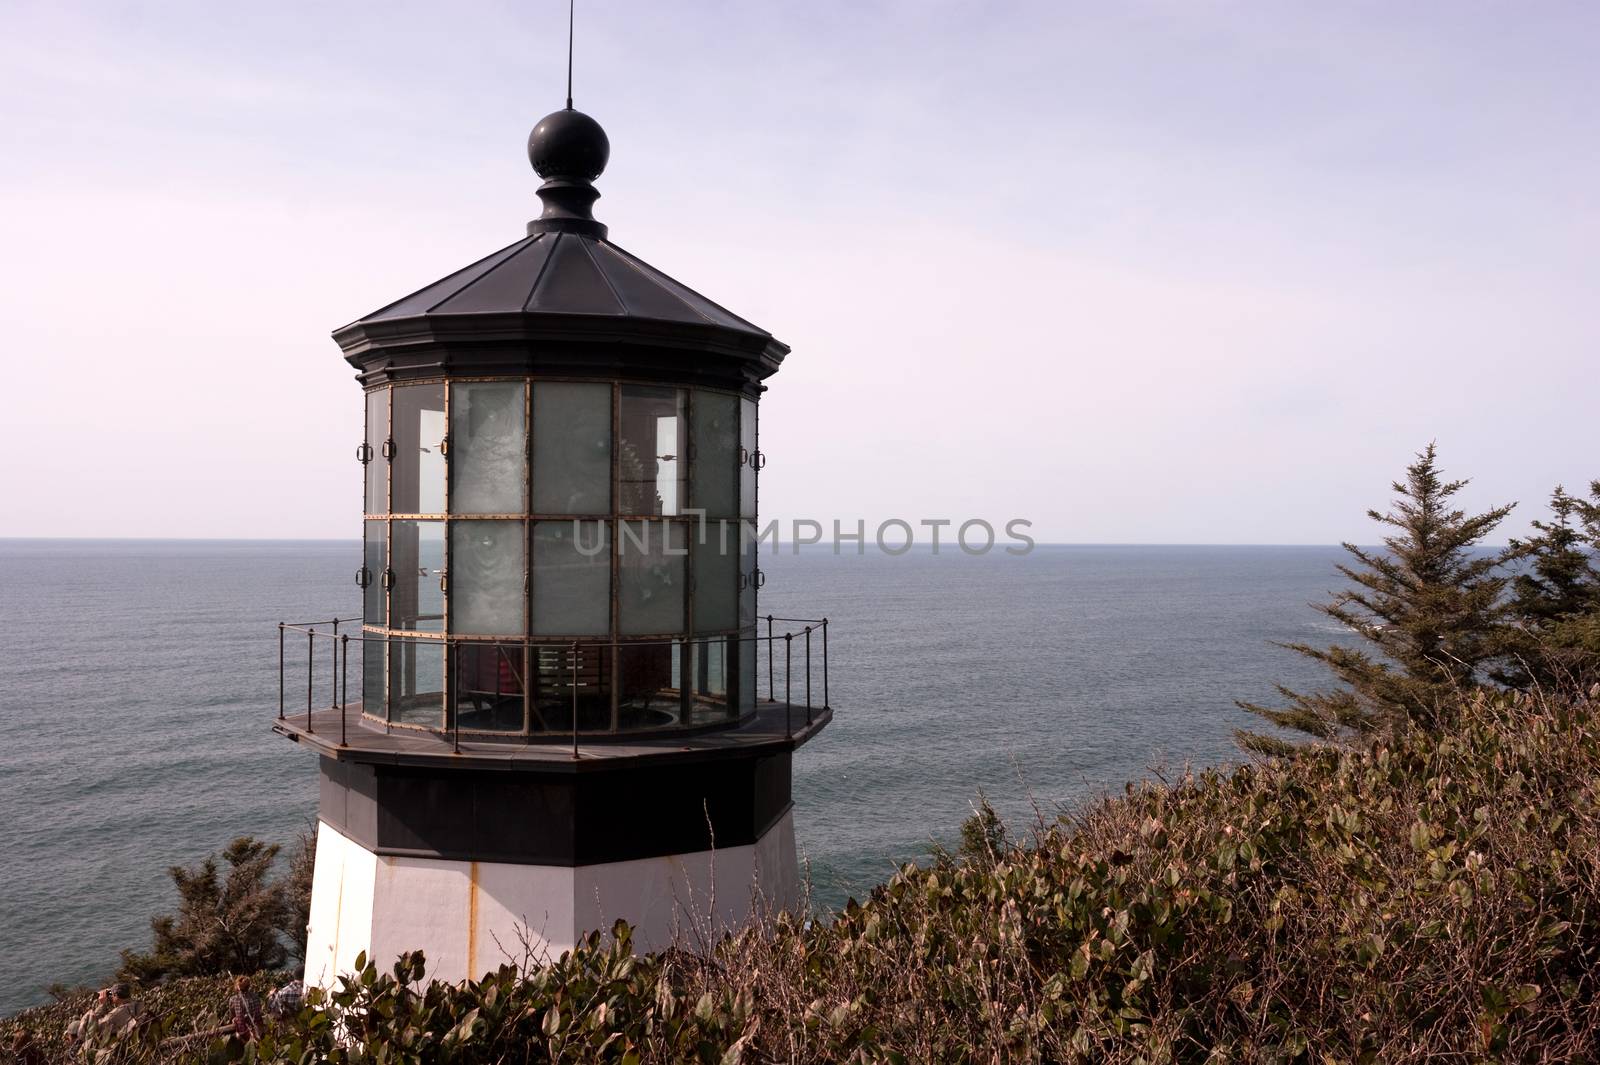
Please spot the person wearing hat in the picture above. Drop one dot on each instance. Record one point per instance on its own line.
(123, 1016)
(81, 1028)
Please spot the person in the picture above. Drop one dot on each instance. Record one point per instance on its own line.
(123, 1016)
(246, 1007)
(84, 1026)
(287, 1000)
(24, 1051)
(107, 1022)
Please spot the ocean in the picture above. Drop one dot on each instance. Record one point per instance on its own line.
(138, 683)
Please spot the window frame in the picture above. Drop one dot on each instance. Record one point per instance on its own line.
(688, 640)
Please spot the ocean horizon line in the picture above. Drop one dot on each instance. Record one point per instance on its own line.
(789, 545)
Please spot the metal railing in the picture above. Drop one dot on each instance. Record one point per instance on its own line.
(592, 667)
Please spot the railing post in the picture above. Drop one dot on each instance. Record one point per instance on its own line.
(808, 676)
(344, 687)
(771, 695)
(311, 661)
(333, 677)
(575, 699)
(280, 671)
(788, 685)
(825, 705)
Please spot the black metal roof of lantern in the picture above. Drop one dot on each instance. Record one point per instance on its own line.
(563, 297)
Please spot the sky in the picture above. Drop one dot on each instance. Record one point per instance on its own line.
(1137, 272)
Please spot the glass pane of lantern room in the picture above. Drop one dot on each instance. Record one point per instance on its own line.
(487, 685)
(416, 557)
(374, 562)
(376, 466)
(747, 452)
(372, 672)
(416, 681)
(650, 575)
(749, 568)
(488, 445)
(652, 450)
(748, 653)
(486, 577)
(417, 472)
(648, 692)
(716, 577)
(571, 448)
(715, 486)
(567, 678)
(709, 668)
(571, 577)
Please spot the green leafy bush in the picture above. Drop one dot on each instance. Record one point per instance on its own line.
(171, 1012)
(1438, 894)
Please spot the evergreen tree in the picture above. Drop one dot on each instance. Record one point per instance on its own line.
(1427, 606)
(224, 924)
(1555, 602)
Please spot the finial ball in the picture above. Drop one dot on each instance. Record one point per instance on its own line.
(570, 145)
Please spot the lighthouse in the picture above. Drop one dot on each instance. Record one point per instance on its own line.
(560, 705)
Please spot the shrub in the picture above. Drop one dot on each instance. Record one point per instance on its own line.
(233, 923)
(1431, 895)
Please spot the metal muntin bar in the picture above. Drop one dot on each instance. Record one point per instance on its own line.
(654, 516)
(524, 657)
(642, 640)
(541, 639)
(387, 451)
(614, 628)
(280, 670)
(574, 655)
(755, 519)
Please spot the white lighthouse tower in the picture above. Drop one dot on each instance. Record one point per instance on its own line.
(568, 709)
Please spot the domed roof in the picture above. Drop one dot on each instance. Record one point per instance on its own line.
(565, 280)
(556, 273)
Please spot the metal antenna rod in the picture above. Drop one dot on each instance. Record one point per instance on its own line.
(571, 11)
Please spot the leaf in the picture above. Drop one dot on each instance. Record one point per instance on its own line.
(464, 1030)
